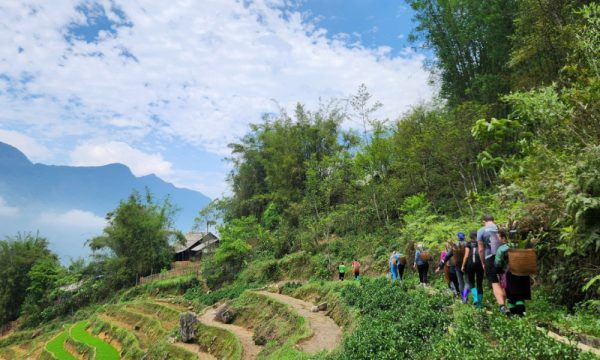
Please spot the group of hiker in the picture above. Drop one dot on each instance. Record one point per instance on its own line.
(465, 263)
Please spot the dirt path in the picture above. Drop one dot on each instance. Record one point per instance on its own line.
(326, 333)
(249, 349)
(195, 349)
(564, 340)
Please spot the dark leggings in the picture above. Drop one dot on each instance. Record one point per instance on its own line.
(400, 271)
(423, 272)
(476, 271)
(454, 280)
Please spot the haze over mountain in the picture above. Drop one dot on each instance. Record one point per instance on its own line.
(68, 204)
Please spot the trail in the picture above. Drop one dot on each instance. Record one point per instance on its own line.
(551, 334)
(326, 333)
(249, 349)
(564, 340)
(195, 349)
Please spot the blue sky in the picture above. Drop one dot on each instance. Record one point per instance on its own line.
(164, 87)
(371, 23)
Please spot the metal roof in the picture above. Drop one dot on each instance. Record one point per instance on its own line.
(204, 244)
(193, 240)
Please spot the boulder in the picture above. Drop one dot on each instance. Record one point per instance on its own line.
(187, 326)
(314, 309)
(259, 340)
(225, 314)
(322, 306)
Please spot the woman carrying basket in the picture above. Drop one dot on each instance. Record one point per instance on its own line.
(518, 288)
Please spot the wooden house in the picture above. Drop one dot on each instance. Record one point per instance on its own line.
(196, 245)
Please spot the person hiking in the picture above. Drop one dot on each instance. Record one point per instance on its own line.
(458, 255)
(422, 263)
(473, 267)
(488, 242)
(448, 259)
(394, 265)
(518, 288)
(342, 271)
(401, 265)
(356, 269)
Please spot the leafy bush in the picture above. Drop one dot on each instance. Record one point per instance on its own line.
(395, 322)
(178, 285)
(228, 292)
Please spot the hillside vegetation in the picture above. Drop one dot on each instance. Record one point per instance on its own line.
(515, 132)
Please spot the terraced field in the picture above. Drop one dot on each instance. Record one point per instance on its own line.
(102, 350)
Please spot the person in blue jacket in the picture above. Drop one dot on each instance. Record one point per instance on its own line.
(421, 264)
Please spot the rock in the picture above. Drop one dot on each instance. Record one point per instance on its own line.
(226, 315)
(187, 326)
(36, 334)
(259, 340)
(314, 309)
(171, 340)
(322, 306)
(136, 328)
(190, 308)
(263, 333)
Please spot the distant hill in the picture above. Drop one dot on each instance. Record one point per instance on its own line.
(38, 188)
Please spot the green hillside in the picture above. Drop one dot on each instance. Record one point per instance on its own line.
(511, 144)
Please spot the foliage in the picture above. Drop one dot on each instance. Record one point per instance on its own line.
(138, 239)
(469, 41)
(177, 285)
(394, 322)
(474, 334)
(233, 251)
(228, 292)
(43, 280)
(24, 259)
(222, 343)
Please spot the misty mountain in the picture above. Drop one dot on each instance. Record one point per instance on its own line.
(33, 194)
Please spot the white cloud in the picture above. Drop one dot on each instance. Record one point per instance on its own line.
(7, 211)
(95, 153)
(198, 71)
(74, 219)
(29, 146)
(210, 183)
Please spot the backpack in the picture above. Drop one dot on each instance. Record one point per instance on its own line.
(474, 255)
(458, 253)
(425, 256)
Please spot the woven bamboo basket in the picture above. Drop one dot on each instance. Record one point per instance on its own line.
(458, 255)
(425, 256)
(522, 262)
(402, 260)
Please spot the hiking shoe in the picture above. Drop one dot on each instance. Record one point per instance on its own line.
(504, 310)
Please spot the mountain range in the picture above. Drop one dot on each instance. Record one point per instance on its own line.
(68, 204)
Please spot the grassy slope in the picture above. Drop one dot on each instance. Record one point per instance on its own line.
(103, 350)
(219, 342)
(281, 326)
(57, 347)
(127, 341)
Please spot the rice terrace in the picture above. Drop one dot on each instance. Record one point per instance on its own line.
(300, 179)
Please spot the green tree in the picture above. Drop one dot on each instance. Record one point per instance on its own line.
(18, 256)
(138, 239)
(470, 41)
(43, 281)
(237, 240)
